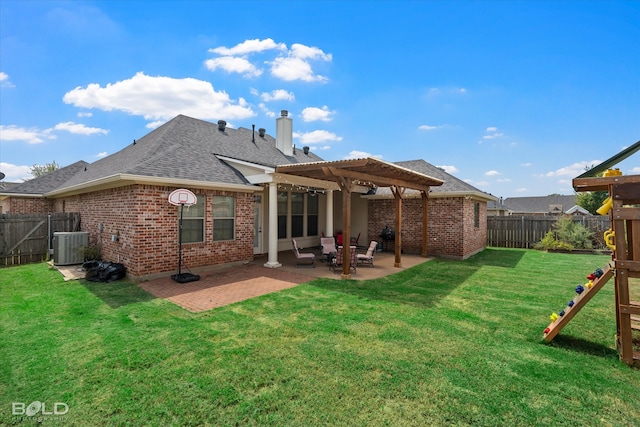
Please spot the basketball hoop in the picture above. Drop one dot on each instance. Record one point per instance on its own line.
(182, 197)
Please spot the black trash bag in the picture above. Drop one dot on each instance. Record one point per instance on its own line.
(102, 271)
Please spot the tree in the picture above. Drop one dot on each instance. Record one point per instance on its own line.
(591, 200)
(39, 170)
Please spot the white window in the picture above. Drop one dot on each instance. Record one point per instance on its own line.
(224, 217)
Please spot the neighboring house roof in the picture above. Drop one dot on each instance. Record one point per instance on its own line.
(541, 204)
(577, 210)
(43, 184)
(451, 187)
(187, 149)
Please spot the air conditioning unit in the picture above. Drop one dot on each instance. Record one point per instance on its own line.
(67, 247)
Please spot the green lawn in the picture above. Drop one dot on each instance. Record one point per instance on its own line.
(444, 343)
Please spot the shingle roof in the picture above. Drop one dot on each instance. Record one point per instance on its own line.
(48, 182)
(186, 148)
(451, 184)
(540, 204)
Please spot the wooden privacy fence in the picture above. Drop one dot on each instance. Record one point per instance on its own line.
(26, 239)
(526, 231)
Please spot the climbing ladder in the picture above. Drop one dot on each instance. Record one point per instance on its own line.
(580, 300)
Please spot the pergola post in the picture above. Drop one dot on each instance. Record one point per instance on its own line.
(329, 213)
(272, 261)
(425, 222)
(346, 185)
(397, 194)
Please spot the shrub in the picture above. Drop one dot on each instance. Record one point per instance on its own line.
(568, 235)
(549, 241)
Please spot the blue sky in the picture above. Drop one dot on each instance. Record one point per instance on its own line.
(515, 98)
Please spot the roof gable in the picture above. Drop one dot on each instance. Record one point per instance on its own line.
(450, 185)
(185, 148)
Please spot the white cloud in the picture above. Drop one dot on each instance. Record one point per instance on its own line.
(521, 190)
(30, 136)
(249, 46)
(503, 180)
(80, 129)
(101, 154)
(15, 173)
(526, 165)
(297, 65)
(448, 169)
(635, 171)
(308, 52)
(361, 155)
(574, 169)
(317, 137)
(312, 114)
(266, 110)
(85, 114)
(160, 98)
(492, 133)
(278, 95)
(429, 127)
(232, 64)
(290, 69)
(289, 65)
(482, 184)
(492, 173)
(436, 91)
(4, 80)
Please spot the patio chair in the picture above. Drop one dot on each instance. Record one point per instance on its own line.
(355, 240)
(339, 259)
(368, 257)
(328, 245)
(303, 259)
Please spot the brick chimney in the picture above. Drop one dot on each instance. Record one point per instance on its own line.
(284, 133)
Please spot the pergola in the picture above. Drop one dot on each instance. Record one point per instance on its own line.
(369, 172)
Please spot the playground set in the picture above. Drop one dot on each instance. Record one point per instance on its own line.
(623, 238)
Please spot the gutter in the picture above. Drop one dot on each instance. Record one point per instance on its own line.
(120, 180)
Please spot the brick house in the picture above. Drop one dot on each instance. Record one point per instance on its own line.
(457, 215)
(245, 208)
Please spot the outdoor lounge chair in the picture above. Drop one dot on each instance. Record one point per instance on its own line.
(355, 240)
(328, 245)
(303, 259)
(339, 259)
(368, 257)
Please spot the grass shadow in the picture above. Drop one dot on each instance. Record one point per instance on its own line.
(421, 286)
(427, 283)
(499, 257)
(117, 294)
(583, 346)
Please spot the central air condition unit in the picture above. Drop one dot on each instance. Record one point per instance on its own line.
(67, 247)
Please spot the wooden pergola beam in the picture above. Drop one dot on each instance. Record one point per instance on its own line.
(376, 180)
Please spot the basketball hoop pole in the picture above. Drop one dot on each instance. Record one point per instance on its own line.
(182, 197)
(180, 240)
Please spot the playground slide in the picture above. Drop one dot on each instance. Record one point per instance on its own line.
(583, 295)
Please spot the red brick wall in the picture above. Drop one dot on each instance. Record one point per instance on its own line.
(147, 226)
(451, 231)
(27, 205)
